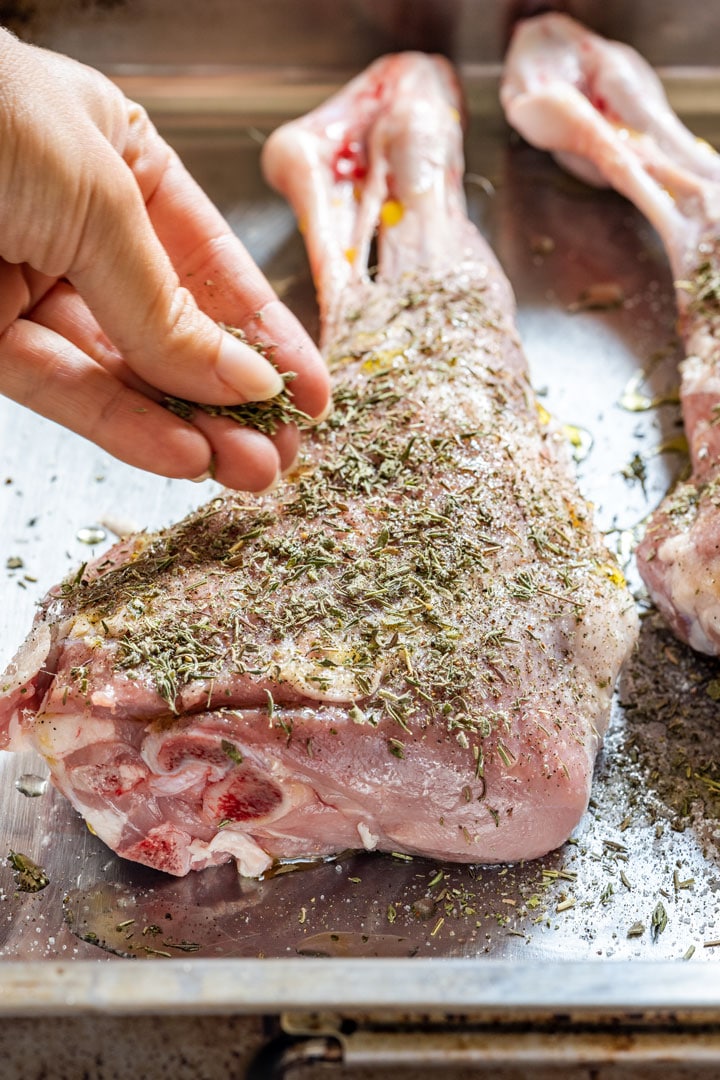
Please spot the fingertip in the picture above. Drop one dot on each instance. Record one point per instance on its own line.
(257, 471)
(310, 392)
(164, 445)
(323, 415)
(286, 441)
(185, 453)
(321, 402)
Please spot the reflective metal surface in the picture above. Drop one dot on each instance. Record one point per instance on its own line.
(638, 882)
(337, 35)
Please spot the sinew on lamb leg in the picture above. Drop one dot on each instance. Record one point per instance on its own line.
(411, 644)
(604, 113)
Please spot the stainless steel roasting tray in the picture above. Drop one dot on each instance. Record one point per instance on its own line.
(627, 914)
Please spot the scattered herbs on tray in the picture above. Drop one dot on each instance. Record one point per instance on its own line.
(182, 946)
(659, 920)
(29, 877)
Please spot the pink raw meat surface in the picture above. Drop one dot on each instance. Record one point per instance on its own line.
(411, 644)
(603, 112)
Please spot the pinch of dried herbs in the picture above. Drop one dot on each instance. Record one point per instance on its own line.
(265, 416)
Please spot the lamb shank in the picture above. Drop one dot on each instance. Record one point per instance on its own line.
(603, 112)
(411, 644)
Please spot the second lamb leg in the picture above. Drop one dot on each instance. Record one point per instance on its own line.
(602, 111)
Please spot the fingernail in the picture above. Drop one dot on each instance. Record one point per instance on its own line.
(271, 485)
(324, 414)
(246, 371)
(203, 476)
(291, 467)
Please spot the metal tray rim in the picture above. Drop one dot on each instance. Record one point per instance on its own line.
(261, 986)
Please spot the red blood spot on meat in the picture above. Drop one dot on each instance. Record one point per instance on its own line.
(242, 798)
(163, 849)
(157, 848)
(114, 784)
(253, 803)
(109, 780)
(350, 162)
(179, 750)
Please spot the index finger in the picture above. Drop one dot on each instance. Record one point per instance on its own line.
(215, 266)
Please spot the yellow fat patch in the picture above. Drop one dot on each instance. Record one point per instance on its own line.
(391, 213)
(382, 360)
(614, 574)
(350, 255)
(577, 520)
(706, 145)
(543, 415)
(573, 434)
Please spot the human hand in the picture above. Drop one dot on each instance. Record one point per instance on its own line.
(115, 270)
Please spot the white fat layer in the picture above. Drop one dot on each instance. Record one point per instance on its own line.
(87, 630)
(693, 586)
(251, 859)
(313, 680)
(177, 782)
(56, 735)
(28, 660)
(106, 824)
(105, 698)
(698, 376)
(19, 735)
(369, 839)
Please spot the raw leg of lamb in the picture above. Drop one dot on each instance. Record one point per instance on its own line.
(603, 112)
(411, 644)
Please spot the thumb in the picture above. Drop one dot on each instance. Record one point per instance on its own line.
(127, 280)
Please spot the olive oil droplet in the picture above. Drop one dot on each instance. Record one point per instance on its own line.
(31, 785)
(91, 534)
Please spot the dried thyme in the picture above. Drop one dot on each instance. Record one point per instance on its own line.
(703, 288)
(658, 921)
(378, 573)
(29, 877)
(173, 652)
(265, 416)
(232, 751)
